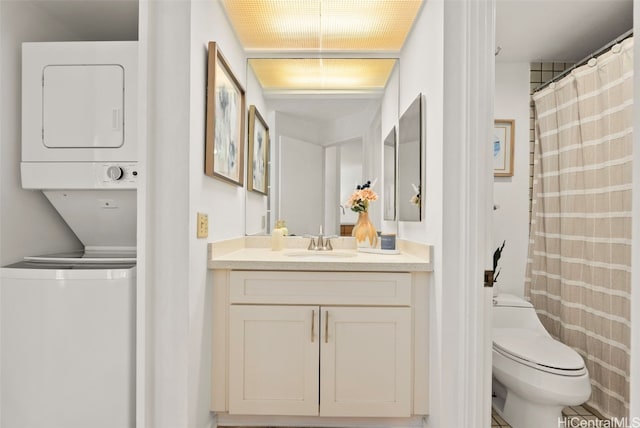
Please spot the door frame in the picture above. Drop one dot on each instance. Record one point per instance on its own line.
(469, 70)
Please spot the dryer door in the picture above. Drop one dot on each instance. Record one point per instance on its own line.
(79, 102)
(83, 106)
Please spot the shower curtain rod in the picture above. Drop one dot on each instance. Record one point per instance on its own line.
(586, 59)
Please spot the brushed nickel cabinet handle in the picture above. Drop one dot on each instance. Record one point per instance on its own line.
(313, 325)
(326, 327)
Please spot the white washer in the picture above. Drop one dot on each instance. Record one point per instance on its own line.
(68, 344)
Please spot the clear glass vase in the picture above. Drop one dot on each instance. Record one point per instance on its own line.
(364, 231)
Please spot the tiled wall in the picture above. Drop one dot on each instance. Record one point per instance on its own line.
(541, 72)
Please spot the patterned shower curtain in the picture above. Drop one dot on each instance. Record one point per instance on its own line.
(579, 267)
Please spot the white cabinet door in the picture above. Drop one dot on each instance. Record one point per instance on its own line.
(365, 362)
(273, 360)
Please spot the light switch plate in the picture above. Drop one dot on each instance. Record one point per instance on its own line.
(202, 225)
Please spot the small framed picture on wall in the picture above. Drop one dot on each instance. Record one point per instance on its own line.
(503, 147)
(258, 171)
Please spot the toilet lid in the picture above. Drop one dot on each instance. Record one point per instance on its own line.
(536, 348)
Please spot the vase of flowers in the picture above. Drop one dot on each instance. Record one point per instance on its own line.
(364, 231)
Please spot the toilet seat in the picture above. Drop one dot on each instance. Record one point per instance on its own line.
(537, 350)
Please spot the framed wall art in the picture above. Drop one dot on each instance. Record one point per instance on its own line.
(258, 166)
(503, 147)
(224, 145)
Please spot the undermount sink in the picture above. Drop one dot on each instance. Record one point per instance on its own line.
(320, 254)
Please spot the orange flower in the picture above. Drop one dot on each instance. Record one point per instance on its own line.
(359, 200)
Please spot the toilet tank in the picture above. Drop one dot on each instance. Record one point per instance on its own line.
(510, 311)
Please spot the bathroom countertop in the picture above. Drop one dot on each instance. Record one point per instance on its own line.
(254, 253)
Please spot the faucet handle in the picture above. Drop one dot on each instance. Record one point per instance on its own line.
(312, 242)
(327, 242)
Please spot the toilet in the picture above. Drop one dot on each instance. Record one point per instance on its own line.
(534, 375)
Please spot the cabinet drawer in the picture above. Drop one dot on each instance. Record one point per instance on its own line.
(320, 288)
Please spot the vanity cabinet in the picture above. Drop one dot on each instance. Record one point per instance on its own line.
(319, 344)
(320, 360)
(365, 362)
(273, 360)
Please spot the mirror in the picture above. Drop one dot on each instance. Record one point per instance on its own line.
(410, 145)
(389, 173)
(319, 161)
(323, 143)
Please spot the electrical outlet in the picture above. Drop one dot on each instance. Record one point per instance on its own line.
(202, 226)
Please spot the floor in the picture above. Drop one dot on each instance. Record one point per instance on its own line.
(578, 415)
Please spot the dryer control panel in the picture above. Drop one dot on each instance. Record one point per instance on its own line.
(117, 174)
(80, 175)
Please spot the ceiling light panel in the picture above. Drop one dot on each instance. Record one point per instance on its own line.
(367, 25)
(326, 74)
(275, 24)
(316, 25)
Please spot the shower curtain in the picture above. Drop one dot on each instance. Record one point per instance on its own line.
(579, 267)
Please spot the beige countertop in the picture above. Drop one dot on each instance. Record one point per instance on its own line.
(254, 253)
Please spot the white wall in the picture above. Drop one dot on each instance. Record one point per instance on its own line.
(511, 194)
(179, 33)
(421, 70)
(29, 224)
(223, 202)
(389, 115)
(167, 212)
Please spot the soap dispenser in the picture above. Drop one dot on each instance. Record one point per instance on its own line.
(280, 224)
(277, 239)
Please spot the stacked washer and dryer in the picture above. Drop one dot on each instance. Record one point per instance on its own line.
(68, 321)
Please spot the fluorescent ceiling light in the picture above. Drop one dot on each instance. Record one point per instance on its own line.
(319, 27)
(322, 74)
(322, 25)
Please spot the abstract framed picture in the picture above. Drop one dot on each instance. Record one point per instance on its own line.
(258, 166)
(503, 147)
(224, 145)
